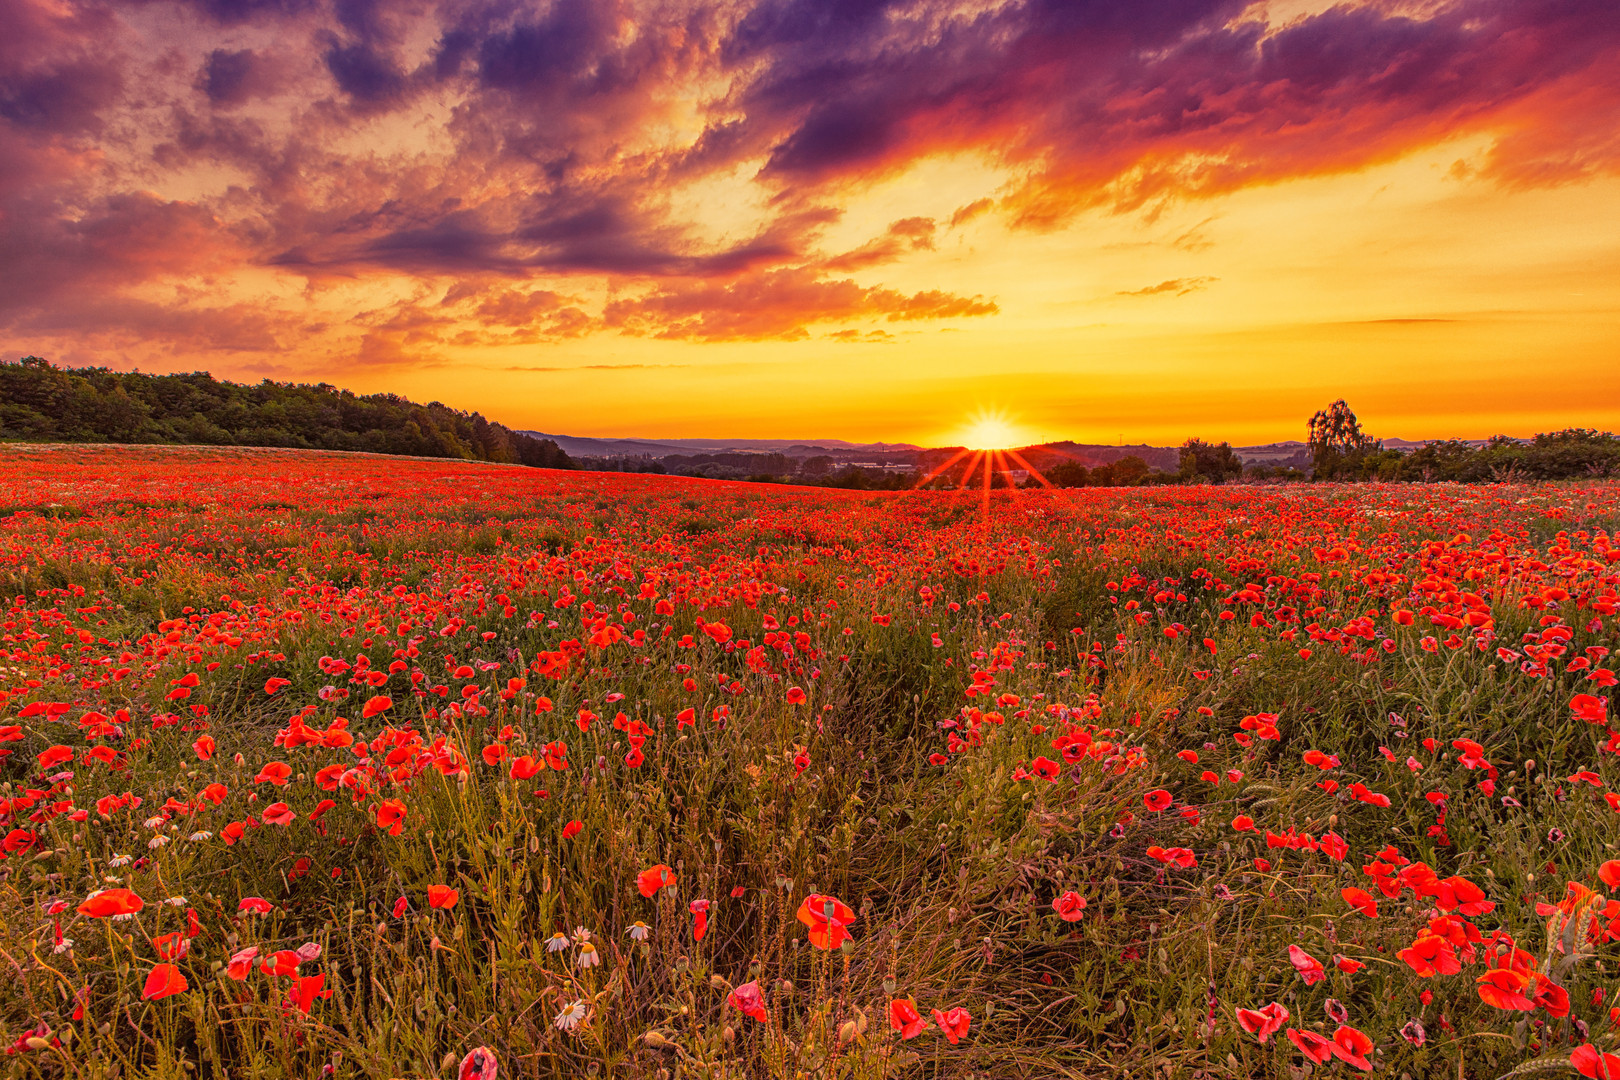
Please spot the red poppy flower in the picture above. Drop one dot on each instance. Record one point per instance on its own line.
(1070, 906)
(1594, 710)
(278, 813)
(164, 980)
(256, 905)
(54, 756)
(1352, 1046)
(305, 989)
(479, 1064)
(1503, 988)
(110, 902)
(1308, 966)
(1264, 1022)
(1609, 873)
(1361, 900)
(391, 816)
(954, 1023)
(1589, 1061)
(1157, 800)
(826, 917)
(378, 704)
(1317, 1048)
(904, 1018)
(204, 748)
(442, 896)
(650, 880)
(572, 829)
(276, 773)
(241, 963)
(748, 1000)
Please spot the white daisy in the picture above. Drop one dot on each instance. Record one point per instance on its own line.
(558, 942)
(639, 930)
(570, 1017)
(588, 956)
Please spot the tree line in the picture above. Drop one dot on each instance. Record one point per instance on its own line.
(40, 402)
(1341, 450)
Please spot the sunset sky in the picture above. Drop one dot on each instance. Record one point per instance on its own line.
(1139, 219)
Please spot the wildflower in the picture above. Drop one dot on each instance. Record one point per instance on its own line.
(650, 880)
(391, 816)
(558, 942)
(442, 896)
(1308, 966)
(638, 931)
(1351, 1047)
(954, 1023)
(1413, 1032)
(1362, 901)
(700, 918)
(1070, 906)
(65, 945)
(479, 1064)
(111, 903)
(305, 989)
(904, 1018)
(118, 860)
(826, 917)
(588, 956)
(1336, 1010)
(198, 837)
(255, 905)
(1157, 800)
(1589, 1061)
(278, 813)
(748, 1000)
(241, 963)
(163, 981)
(1316, 1047)
(1263, 1023)
(570, 1017)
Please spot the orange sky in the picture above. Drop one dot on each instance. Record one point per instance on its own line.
(814, 218)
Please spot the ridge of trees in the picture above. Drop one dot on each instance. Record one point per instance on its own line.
(45, 403)
(1341, 450)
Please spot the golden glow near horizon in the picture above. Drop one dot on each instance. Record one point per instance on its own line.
(1204, 244)
(993, 431)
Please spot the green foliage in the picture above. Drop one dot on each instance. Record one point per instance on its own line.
(1203, 462)
(1337, 443)
(43, 403)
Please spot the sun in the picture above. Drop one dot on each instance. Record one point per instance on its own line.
(992, 431)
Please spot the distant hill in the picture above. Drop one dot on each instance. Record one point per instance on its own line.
(43, 403)
(582, 446)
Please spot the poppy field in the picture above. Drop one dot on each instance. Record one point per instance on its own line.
(316, 764)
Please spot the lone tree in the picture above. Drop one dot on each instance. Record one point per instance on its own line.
(1209, 463)
(1337, 442)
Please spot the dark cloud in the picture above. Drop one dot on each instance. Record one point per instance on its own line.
(520, 148)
